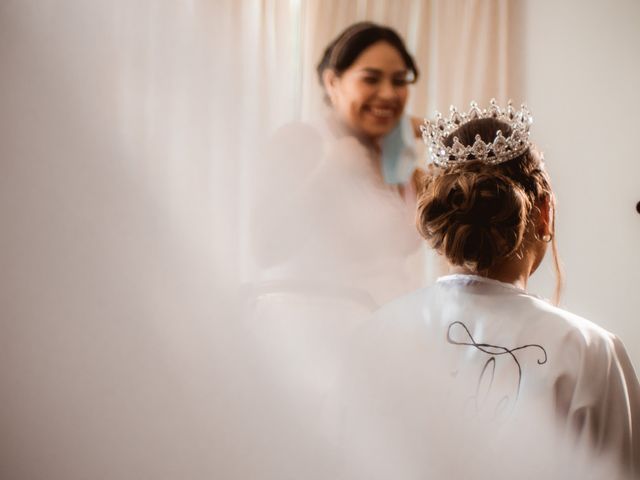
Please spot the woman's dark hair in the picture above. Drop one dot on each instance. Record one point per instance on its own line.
(478, 215)
(343, 51)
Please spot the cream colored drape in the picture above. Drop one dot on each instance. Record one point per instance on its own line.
(465, 49)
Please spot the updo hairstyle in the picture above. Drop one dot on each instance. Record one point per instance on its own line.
(478, 215)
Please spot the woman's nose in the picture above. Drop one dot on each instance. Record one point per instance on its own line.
(387, 90)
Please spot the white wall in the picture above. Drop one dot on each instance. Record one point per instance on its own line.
(582, 75)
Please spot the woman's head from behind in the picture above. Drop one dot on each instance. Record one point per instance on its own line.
(365, 72)
(482, 216)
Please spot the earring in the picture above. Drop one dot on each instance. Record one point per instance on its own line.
(544, 238)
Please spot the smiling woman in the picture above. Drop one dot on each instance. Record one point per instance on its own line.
(336, 200)
(365, 73)
(370, 96)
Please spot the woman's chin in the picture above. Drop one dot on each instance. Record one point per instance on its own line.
(379, 130)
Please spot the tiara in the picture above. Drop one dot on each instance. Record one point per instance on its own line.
(500, 150)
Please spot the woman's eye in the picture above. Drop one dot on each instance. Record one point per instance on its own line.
(400, 82)
(370, 80)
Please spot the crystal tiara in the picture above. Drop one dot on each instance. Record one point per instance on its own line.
(500, 150)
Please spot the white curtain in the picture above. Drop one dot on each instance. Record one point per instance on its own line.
(465, 49)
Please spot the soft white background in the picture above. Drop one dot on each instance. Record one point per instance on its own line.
(582, 77)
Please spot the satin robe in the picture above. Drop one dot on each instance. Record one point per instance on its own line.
(473, 358)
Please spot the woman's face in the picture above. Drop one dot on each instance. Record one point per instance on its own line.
(371, 94)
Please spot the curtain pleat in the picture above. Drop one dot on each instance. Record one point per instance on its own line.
(461, 47)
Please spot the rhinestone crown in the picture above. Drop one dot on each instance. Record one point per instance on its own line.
(500, 150)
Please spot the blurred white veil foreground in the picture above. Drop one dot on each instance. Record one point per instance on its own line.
(123, 351)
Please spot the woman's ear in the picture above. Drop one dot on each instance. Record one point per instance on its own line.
(329, 81)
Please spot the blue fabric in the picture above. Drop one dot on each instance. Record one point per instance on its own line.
(399, 153)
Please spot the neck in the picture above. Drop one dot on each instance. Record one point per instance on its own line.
(515, 271)
(372, 143)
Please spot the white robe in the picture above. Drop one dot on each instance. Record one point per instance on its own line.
(474, 351)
